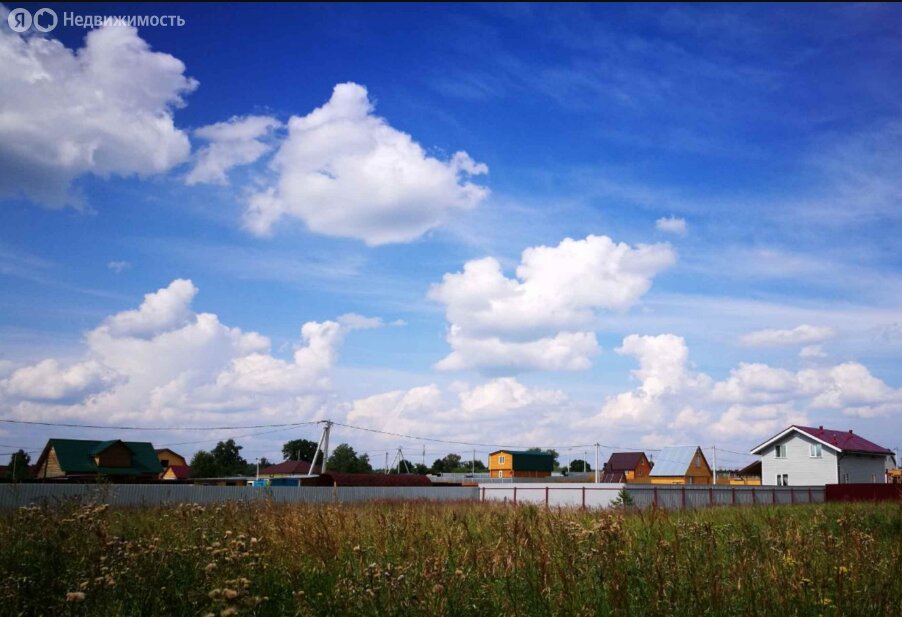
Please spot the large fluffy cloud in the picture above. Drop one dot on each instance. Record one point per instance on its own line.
(104, 109)
(753, 400)
(165, 362)
(545, 317)
(346, 172)
(500, 410)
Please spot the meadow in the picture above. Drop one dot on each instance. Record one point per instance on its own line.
(450, 559)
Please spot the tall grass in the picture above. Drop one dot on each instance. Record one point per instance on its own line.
(450, 559)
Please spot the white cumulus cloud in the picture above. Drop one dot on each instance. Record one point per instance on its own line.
(105, 109)
(238, 141)
(545, 317)
(346, 172)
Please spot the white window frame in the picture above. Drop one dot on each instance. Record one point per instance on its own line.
(782, 479)
(778, 449)
(501, 460)
(815, 450)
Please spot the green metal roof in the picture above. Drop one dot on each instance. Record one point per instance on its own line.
(530, 461)
(76, 456)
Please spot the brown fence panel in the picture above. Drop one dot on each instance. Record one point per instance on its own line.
(864, 492)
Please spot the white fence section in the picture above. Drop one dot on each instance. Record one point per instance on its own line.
(17, 495)
(552, 494)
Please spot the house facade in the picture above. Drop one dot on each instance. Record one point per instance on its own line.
(681, 465)
(520, 464)
(626, 467)
(86, 460)
(809, 456)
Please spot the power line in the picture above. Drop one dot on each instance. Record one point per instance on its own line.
(152, 428)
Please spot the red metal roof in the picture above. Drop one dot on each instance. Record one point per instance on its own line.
(844, 440)
(181, 472)
(624, 461)
(288, 468)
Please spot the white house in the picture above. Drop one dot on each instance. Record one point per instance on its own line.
(807, 456)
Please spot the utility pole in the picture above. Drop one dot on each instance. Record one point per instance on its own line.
(386, 463)
(424, 456)
(597, 445)
(585, 461)
(258, 468)
(473, 466)
(321, 448)
(714, 452)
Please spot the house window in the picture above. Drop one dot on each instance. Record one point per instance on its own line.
(698, 461)
(782, 479)
(814, 450)
(780, 451)
(501, 459)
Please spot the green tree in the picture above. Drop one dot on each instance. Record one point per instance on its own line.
(228, 458)
(438, 466)
(577, 466)
(451, 462)
(345, 460)
(623, 500)
(204, 465)
(18, 465)
(299, 450)
(421, 469)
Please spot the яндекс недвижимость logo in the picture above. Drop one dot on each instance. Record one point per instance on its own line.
(44, 20)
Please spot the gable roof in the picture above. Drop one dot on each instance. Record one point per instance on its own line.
(523, 460)
(289, 468)
(76, 457)
(181, 472)
(838, 441)
(674, 461)
(624, 461)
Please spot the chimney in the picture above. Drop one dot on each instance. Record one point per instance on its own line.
(821, 427)
(850, 431)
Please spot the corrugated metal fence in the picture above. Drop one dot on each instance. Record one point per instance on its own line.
(16, 495)
(683, 497)
(671, 497)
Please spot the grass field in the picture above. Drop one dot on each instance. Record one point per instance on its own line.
(458, 559)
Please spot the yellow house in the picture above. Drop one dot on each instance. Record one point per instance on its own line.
(520, 464)
(169, 458)
(681, 465)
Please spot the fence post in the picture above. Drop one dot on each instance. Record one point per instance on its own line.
(754, 496)
(515, 495)
(711, 496)
(683, 497)
(546, 497)
(773, 496)
(733, 495)
(792, 496)
(482, 497)
(584, 498)
(654, 496)
(810, 497)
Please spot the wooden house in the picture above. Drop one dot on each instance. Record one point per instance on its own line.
(626, 467)
(87, 460)
(681, 465)
(520, 464)
(175, 467)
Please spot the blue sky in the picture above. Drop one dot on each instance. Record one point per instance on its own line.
(767, 142)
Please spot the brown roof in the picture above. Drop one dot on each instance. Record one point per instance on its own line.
(624, 461)
(288, 468)
(181, 472)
